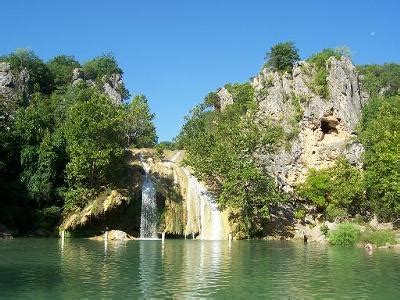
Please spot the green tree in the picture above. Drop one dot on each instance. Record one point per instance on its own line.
(101, 68)
(94, 132)
(43, 156)
(282, 56)
(338, 190)
(381, 79)
(61, 67)
(140, 129)
(380, 136)
(220, 148)
(40, 77)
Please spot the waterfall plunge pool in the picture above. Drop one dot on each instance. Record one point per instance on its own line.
(81, 268)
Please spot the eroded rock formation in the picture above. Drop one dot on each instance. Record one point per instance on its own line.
(111, 85)
(321, 128)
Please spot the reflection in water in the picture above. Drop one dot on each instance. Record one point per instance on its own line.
(77, 268)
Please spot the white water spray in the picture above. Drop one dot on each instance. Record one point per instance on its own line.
(148, 218)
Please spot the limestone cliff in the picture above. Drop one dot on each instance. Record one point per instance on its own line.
(111, 85)
(319, 129)
(13, 89)
(14, 86)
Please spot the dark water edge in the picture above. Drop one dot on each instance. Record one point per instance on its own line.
(80, 268)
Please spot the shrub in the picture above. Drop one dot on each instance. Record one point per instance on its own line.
(378, 237)
(61, 67)
(336, 190)
(346, 234)
(282, 56)
(300, 213)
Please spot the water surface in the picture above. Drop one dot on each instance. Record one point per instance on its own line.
(79, 268)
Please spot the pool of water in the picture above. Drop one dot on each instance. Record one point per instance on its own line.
(79, 268)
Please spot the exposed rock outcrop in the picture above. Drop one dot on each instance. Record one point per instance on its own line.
(324, 128)
(225, 98)
(111, 85)
(104, 203)
(13, 84)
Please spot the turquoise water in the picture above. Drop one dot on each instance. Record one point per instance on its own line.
(78, 268)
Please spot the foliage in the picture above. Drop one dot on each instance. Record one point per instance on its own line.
(300, 214)
(319, 60)
(94, 133)
(220, 148)
(140, 130)
(282, 56)
(337, 190)
(379, 133)
(381, 79)
(102, 68)
(378, 237)
(48, 217)
(40, 78)
(212, 100)
(61, 68)
(61, 144)
(42, 151)
(346, 234)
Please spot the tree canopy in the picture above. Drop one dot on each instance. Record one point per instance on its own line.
(282, 56)
(64, 143)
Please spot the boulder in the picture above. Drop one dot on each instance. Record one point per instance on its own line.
(117, 235)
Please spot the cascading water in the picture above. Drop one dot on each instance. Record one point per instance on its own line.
(209, 217)
(148, 218)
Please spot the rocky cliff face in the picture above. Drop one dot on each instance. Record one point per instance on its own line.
(320, 129)
(12, 84)
(111, 85)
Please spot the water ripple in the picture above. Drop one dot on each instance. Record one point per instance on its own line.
(47, 268)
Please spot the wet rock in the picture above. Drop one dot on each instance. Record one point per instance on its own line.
(117, 235)
(5, 233)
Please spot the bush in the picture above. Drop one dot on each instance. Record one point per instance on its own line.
(378, 237)
(62, 67)
(300, 213)
(346, 234)
(40, 77)
(282, 56)
(337, 190)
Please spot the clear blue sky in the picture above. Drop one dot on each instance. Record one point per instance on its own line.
(175, 52)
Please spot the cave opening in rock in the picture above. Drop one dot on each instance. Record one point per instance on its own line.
(329, 124)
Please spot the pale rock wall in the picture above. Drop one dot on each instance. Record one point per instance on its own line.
(194, 212)
(110, 85)
(326, 129)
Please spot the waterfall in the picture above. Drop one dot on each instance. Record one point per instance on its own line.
(148, 218)
(208, 215)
